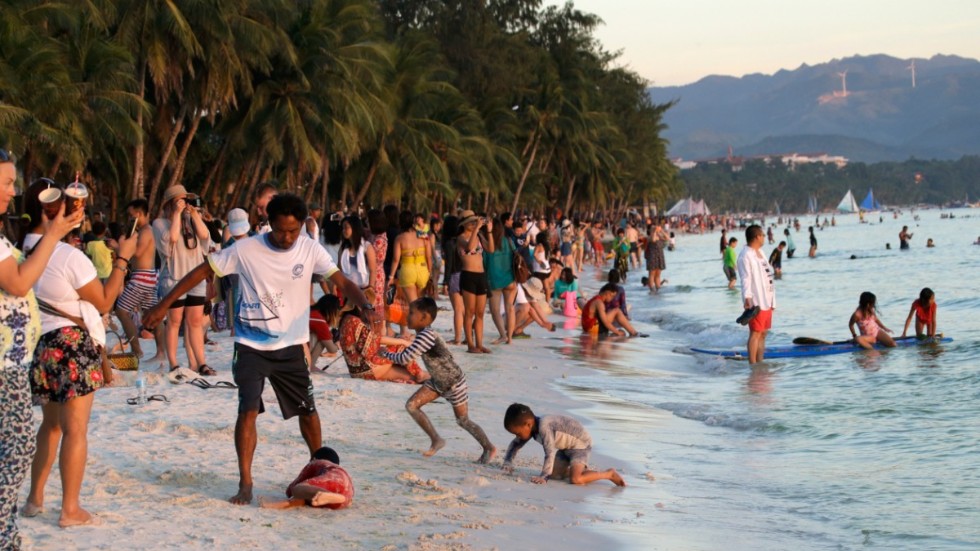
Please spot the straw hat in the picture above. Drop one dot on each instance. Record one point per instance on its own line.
(467, 216)
(174, 192)
(534, 289)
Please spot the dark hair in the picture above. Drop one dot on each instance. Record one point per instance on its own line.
(732, 240)
(497, 234)
(868, 303)
(609, 288)
(406, 220)
(782, 244)
(427, 306)
(567, 275)
(391, 214)
(450, 228)
(753, 231)
(542, 239)
(287, 204)
(141, 205)
(613, 276)
(264, 187)
(31, 219)
(517, 414)
(332, 232)
(925, 294)
(377, 222)
(356, 233)
(329, 308)
(504, 217)
(326, 453)
(98, 228)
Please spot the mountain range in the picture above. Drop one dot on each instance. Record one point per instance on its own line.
(881, 117)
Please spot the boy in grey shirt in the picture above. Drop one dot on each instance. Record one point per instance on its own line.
(566, 446)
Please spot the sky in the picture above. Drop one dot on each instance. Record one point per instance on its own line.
(679, 42)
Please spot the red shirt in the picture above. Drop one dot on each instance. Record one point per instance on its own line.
(319, 326)
(329, 477)
(924, 314)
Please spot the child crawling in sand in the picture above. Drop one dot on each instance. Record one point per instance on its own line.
(447, 379)
(321, 483)
(566, 446)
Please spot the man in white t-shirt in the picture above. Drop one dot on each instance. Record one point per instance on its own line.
(272, 322)
(756, 277)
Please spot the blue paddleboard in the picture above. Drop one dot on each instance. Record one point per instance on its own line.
(806, 350)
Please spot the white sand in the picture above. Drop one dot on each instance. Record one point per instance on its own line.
(160, 475)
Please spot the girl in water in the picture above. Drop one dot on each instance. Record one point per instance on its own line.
(871, 328)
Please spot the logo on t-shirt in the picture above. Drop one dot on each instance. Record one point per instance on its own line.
(297, 271)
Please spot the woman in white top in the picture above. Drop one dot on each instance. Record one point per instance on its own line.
(20, 328)
(356, 259)
(182, 241)
(67, 368)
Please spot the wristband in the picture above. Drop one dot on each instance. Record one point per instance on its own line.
(126, 260)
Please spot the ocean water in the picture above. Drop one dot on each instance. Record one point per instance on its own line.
(835, 452)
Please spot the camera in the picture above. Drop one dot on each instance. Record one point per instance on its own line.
(194, 201)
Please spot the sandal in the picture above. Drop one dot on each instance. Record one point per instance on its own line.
(206, 371)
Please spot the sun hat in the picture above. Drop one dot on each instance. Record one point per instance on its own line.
(174, 192)
(534, 289)
(467, 216)
(238, 222)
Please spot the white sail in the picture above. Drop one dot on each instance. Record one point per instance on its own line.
(848, 204)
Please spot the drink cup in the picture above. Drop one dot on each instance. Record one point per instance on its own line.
(51, 200)
(75, 196)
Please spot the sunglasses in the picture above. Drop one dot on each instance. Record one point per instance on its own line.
(6, 156)
(153, 398)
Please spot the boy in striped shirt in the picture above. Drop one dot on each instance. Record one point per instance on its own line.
(566, 443)
(446, 378)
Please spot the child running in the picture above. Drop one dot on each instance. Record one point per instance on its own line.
(321, 483)
(871, 328)
(566, 446)
(447, 378)
(924, 310)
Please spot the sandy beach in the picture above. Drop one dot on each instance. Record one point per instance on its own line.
(160, 475)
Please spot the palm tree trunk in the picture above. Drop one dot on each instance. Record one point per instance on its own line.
(56, 166)
(206, 187)
(568, 199)
(527, 170)
(325, 185)
(165, 156)
(370, 177)
(182, 157)
(138, 176)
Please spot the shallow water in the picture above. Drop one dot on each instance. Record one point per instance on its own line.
(829, 452)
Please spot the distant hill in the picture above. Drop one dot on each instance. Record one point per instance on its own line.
(882, 117)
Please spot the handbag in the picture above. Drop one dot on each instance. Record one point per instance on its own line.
(122, 360)
(521, 272)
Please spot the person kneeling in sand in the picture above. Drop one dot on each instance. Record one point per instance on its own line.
(600, 320)
(566, 446)
(447, 379)
(321, 483)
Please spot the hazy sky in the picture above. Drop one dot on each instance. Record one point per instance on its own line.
(679, 42)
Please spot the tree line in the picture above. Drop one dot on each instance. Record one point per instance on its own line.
(488, 104)
(760, 185)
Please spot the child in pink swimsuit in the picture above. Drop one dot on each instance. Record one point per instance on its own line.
(871, 328)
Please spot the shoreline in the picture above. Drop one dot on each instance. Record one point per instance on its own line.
(161, 474)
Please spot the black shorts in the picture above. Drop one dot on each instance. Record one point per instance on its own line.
(474, 283)
(287, 372)
(730, 273)
(191, 300)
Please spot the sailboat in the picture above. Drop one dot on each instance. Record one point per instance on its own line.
(811, 204)
(848, 204)
(869, 202)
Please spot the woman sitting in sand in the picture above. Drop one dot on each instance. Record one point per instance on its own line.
(360, 345)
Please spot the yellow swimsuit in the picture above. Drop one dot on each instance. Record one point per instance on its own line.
(412, 269)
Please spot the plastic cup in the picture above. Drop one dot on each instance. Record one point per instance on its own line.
(51, 200)
(75, 196)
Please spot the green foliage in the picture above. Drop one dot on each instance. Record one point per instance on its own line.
(759, 186)
(423, 102)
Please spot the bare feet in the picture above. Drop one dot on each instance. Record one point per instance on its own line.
(500, 340)
(616, 478)
(436, 446)
(471, 350)
(30, 510)
(243, 497)
(79, 518)
(487, 456)
(485, 350)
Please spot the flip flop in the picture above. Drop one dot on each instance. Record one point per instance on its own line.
(206, 371)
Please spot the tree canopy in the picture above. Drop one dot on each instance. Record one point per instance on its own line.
(490, 104)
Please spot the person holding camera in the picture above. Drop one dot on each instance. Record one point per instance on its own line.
(182, 241)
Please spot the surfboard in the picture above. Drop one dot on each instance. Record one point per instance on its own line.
(802, 351)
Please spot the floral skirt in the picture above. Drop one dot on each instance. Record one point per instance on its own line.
(67, 364)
